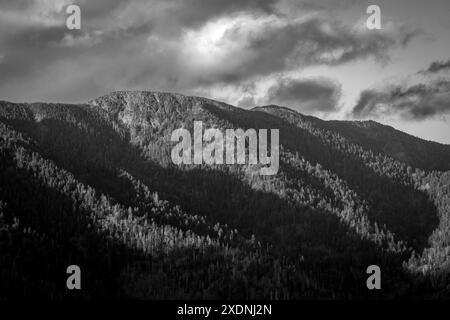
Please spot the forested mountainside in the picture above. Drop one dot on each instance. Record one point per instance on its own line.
(426, 155)
(419, 153)
(94, 185)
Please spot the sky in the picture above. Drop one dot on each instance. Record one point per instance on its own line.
(314, 56)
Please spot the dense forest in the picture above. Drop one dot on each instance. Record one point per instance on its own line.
(94, 185)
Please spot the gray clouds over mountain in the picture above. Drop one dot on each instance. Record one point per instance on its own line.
(417, 102)
(173, 45)
(305, 95)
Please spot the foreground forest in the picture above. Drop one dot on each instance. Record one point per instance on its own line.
(93, 185)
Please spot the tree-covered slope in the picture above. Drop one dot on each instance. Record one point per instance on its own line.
(426, 155)
(94, 185)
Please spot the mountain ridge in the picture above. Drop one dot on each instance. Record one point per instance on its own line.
(336, 205)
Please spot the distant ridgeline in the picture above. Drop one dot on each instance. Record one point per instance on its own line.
(94, 185)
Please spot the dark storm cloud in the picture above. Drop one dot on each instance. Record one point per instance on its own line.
(437, 66)
(417, 102)
(305, 94)
(320, 41)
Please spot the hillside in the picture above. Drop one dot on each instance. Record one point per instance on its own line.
(94, 185)
(426, 155)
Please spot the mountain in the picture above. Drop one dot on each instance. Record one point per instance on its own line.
(419, 153)
(94, 185)
(371, 135)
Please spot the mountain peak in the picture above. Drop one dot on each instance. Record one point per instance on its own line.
(150, 108)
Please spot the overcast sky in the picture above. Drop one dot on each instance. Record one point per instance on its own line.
(314, 56)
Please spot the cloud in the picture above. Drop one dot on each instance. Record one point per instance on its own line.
(173, 45)
(24, 14)
(194, 13)
(247, 102)
(417, 102)
(308, 95)
(437, 66)
(236, 48)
